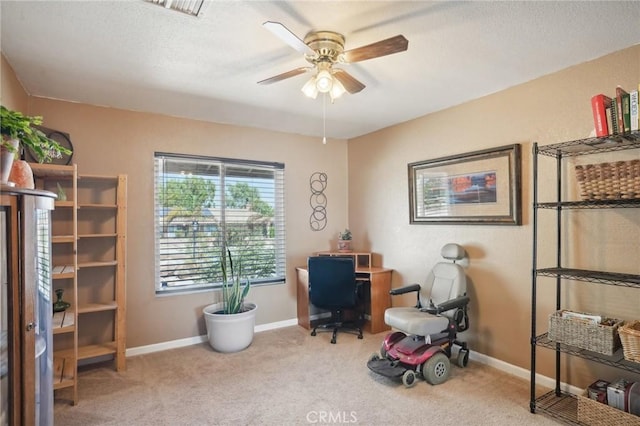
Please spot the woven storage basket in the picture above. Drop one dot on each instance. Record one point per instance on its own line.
(594, 413)
(630, 338)
(609, 181)
(599, 338)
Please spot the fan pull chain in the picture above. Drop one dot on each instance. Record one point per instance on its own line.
(324, 118)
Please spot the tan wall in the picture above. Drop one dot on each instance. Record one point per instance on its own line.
(548, 110)
(112, 141)
(12, 95)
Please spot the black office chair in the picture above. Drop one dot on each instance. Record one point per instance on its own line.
(333, 286)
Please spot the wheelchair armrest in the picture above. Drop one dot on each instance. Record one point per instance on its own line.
(458, 302)
(404, 290)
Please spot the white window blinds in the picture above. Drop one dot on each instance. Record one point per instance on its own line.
(204, 205)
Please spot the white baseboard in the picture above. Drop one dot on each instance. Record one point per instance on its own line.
(277, 324)
(475, 356)
(523, 373)
(173, 344)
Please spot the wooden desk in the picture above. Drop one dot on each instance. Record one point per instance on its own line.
(378, 301)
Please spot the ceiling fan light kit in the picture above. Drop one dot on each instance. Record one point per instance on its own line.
(324, 49)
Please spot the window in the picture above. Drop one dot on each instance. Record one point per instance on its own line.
(204, 205)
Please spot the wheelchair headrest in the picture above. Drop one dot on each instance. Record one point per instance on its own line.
(453, 252)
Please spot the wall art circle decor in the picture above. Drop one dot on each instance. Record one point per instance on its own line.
(318, 201)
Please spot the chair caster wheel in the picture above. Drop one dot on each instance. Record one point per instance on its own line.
(360, 336)
(333, 341)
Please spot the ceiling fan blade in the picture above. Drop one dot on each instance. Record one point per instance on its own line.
(348, 81)
(375, 50)
(288, 37)
(284, 75)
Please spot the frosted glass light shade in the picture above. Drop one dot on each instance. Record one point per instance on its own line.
(324, 81)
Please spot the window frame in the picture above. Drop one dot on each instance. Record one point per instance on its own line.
(220, 181)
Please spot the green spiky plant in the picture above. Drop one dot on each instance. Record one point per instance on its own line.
(233, 290)
(15, 125)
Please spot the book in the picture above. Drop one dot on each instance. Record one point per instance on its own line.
(614, 117)
(626, 112)
(599, 105)
(633, 110)
(620, 92)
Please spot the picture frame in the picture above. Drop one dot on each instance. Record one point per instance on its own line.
(475, 188)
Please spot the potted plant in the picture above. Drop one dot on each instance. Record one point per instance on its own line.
(230, 323)
(344, 241)
(17, 128)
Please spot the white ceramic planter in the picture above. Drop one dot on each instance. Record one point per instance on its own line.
(6, 160)
(230, 332)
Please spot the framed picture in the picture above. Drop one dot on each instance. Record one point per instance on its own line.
(476, 188)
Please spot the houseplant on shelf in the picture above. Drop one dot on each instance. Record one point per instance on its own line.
(230, 323)
(344, 241)
(17, 128)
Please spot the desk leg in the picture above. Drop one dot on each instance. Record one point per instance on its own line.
(302, 289)
(380, 301)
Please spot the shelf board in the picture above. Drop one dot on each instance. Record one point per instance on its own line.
(611, 278)
(98, 177)
(57, 171)
(592, 145)
(592, 204)
(96, 206)
(63, 272)
(92, 351)
(110, 235)
(60, 204)
(563, 407)
(615, 360)
(57, 239)
(63, 370)
(63, 322)
(86, 308)
(97, 264)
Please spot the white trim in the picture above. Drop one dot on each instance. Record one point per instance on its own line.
(523, 373)
(275, 325)
(173, 344)
(514, 370)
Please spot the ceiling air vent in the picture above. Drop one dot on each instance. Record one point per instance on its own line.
(190, 7)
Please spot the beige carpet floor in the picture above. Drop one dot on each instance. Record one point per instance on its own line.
(287, 377)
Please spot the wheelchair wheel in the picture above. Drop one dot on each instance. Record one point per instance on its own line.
(409, 378)
(436, 369)
(463, 358)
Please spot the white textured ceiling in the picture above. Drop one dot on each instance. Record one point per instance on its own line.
(139, 56)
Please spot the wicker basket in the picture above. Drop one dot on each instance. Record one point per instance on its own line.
(630, 338)
(594, 413)
(599, 338)
(609, 181)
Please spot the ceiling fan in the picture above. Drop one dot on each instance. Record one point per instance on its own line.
(323, 50)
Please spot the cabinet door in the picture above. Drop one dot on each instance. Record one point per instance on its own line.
(36, 304)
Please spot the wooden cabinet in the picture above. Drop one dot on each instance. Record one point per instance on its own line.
(89, 265)
(558, 403)
(26, 386)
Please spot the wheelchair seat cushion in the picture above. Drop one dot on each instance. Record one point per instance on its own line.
(413, 321)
